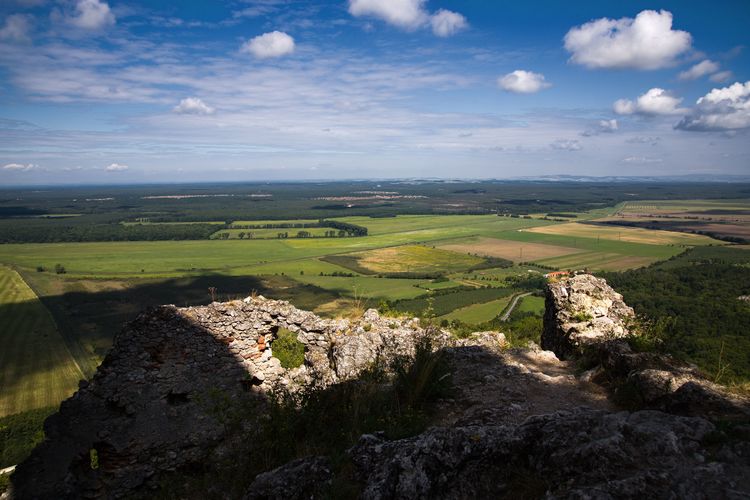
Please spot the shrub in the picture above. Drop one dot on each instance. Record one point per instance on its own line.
(289, 350)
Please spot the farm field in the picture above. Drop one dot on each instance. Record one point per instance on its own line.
(511, 250)
(36, 368)
(415, 259)
(530, 304)
(106, 283)
(627, 234)
(726, 219)
(478, 313)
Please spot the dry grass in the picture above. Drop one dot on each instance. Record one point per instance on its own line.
(627, 234)
(516, 251)
(415, 258)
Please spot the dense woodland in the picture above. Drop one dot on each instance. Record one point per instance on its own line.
(96, 213)
(693, 303)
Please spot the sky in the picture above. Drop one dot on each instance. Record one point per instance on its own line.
(95, 91)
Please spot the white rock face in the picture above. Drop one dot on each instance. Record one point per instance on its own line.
(580, 311)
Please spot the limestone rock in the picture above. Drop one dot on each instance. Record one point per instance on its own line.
(580, 311)
(577, 454)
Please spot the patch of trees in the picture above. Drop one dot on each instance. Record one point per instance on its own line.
(20, 433)
(491, 263)
(350, 229)
(697, 307)
(32, 233)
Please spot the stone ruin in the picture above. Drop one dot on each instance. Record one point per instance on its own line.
(153, 407)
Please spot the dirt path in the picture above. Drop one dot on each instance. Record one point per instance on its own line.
(507, 387)
(513, 305)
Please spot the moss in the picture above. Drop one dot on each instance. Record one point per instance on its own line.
(288, 350)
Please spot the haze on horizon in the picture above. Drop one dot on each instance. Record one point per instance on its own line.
(95, 91)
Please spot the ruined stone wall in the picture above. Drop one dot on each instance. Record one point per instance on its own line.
(155, 404)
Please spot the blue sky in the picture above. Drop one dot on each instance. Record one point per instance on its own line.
(127, 91)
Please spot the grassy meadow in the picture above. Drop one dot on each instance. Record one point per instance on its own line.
(36, 367)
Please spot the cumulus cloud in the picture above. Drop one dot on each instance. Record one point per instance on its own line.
(646, 42)
(406, 14)
(91, 15)
(566, 145)
(446, 23)
(602, 127)
(522, 82)
(410, 15)
(654, 102)
(721, 76)
(723, 109)
(703, 68)
(19, 167)
(267, 45)
(16, 28)
(116, 167)
(193, 106)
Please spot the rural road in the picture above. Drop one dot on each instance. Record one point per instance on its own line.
(7, 470)
(513, 305)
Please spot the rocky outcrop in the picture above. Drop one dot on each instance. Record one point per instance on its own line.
(157, 402)
(574, 454)
(519, 423)
(581, 311)
(584, 316)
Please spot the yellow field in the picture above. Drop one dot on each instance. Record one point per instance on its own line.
(415, 258)
(517, 251)
(600, 261)
(628, 234)
(36, 368)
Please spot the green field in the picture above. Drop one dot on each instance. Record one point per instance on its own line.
(478, 313)
(36, 367)
(106, 283)
(530, 304)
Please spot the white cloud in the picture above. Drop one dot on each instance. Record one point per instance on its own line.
(566, 145)
(16, 28)
(406, 14)
(703, 68)
(522, 82)
(721, 76)
(19, 167)
(602, 127)
(410, 15)
(641, 160)
(446, 23)
(721, 109)
(193, 106)
(654, 102)
(91, 15)
(267, 45)
(646, 42)
(116, 167)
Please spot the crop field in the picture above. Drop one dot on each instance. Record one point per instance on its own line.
(530, 304)
(478, 313)
(415, 258)
(627, 234)
(180, 258)
(36, 368)
(512, 250)
(682, 206)
(107, 282)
